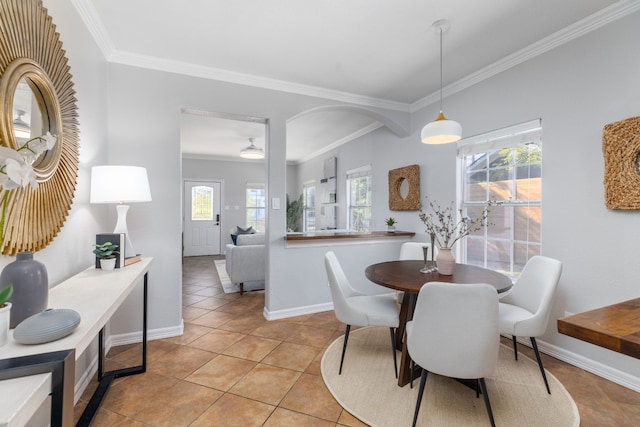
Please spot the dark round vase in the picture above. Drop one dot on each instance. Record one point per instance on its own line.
(30, 287)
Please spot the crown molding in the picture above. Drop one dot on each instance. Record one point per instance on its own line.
(578, 29)
(605, 16)
(93, 23)
(195, 70)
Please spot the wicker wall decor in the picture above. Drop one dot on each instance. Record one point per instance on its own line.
(32, 56)
(621, 150)
(411, 175)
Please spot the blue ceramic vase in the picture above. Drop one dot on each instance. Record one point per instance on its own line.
(30, 287)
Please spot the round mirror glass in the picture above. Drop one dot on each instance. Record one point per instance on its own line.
(403, 188)
(27, 115)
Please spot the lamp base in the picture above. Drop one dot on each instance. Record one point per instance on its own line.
(121, 227)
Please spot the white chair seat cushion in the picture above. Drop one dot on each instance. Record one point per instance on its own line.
(381, 310)
(517, 321)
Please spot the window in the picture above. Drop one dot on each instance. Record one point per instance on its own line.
(505, 166)
(202, 203)
(309, 215)
(256, 206)
(359, 199)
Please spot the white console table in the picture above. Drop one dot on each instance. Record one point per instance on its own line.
(96, 295)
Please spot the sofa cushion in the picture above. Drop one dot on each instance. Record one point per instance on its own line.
(239, 230)
(250, 239)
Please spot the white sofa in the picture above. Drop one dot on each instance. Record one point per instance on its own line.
(245, 261)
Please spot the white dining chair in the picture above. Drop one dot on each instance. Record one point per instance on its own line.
(353, 307)
(454, 333)
(525, 309)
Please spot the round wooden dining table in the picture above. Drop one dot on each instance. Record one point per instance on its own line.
(405, 276)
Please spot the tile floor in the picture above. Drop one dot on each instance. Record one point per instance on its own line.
(234, 368)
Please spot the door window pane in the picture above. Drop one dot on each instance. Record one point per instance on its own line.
(202, 203)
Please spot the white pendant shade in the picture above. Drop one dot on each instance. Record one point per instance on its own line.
(441, 131)
(252, 152)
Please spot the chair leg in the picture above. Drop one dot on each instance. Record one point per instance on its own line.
(344, 347)
(423, 381)
(412, 366)
(483, 386)
(393, 349)
(544, 376)
(515, 346)
(241, 288)
(477, 388)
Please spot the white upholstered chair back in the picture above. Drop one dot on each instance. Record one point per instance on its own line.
(454, 331)
(341, 291)
(534, 291)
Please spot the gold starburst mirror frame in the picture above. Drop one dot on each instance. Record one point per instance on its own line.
(35, 82)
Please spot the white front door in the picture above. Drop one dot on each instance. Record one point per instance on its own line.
(201, 218)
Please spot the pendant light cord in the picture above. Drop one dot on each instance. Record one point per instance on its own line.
(440, 68)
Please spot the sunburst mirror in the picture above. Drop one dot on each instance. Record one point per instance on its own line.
(36, 97)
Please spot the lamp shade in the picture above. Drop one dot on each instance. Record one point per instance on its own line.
(119, 184)
(441, 131)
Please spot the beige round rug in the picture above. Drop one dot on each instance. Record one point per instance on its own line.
(368, 389)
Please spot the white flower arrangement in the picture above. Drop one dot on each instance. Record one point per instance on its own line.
(443, 225)
(16, 168)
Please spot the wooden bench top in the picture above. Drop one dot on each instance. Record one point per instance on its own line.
(615, 327)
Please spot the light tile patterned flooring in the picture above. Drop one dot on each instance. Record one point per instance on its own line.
(234, 368)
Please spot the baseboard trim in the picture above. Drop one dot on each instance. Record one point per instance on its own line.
(297, 311)
(607, 372)
(153, 334)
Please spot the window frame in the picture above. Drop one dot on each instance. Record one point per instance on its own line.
(309, 207)
(259, 226)
(352, 175)
(493, 142)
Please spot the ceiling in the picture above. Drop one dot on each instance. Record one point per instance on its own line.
(370, 52)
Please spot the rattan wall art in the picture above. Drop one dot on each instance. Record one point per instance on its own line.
(621, 150)
(32, 56)
(410, 176)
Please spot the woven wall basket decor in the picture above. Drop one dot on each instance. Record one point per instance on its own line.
(621, 150)
(409, 176)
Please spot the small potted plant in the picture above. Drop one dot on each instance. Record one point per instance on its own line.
(106, 253)
(5, 311)
(391, 222)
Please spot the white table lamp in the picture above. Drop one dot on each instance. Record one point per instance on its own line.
(120, 184)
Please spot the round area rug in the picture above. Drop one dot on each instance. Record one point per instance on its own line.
(368, 389)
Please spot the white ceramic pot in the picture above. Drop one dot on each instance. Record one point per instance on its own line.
(5, 312)
(107, 264)
(445, 261)
(391, 228)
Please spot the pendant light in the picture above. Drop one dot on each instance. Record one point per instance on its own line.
(252, 152)
(441, 130)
